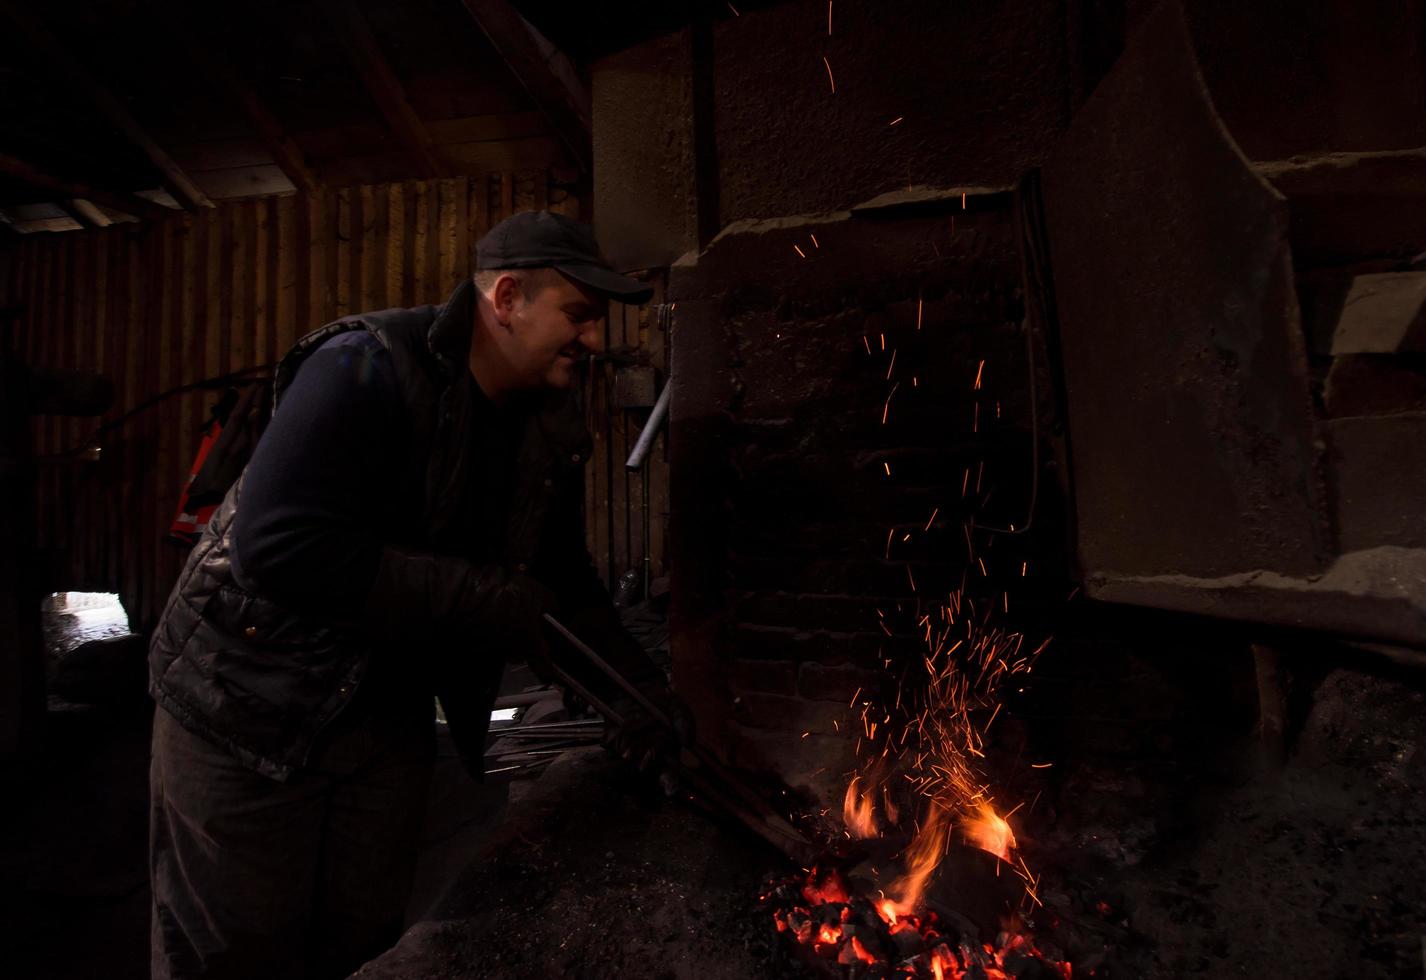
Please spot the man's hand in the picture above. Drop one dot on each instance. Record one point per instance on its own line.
(643, 742)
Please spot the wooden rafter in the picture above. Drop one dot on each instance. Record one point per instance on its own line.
(84, 212)
(28, 173)
(385, 88)
(563, 101)
(67, 67)
(219, 73)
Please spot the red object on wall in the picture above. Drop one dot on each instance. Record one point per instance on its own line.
(188, 525)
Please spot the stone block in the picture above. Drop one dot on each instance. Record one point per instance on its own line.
(838, 684)
(789, 714)
(762, 677)
(765, 642)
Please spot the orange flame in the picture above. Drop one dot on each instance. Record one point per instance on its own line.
(922, 858)
(829, 934)
(989, 831)
(857, 811)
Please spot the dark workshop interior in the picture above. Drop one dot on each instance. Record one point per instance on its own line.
(1019, 470)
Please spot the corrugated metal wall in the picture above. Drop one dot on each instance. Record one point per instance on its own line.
(166, 304)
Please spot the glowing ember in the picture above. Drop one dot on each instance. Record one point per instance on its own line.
(852, 932)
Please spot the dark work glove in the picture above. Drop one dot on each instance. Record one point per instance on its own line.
(645, 743)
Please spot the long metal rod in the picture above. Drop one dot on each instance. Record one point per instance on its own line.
(651, 428)
(704, 758)
(786, 838)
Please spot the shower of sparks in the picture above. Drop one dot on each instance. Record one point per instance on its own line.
(830, 80)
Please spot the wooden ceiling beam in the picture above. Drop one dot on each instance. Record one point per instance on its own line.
(28, 173)
(564, 102)
(385, 88)
(84, 212)
(220, 75)
(68, 68)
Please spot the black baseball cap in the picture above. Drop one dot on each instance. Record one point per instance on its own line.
(543, 239)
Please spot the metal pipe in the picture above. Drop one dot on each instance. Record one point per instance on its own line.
(651, 429)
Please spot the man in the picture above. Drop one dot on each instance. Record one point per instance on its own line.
(410, 511)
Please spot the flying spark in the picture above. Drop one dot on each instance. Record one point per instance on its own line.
(832, 81)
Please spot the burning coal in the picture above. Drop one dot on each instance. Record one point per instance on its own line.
(873, 939)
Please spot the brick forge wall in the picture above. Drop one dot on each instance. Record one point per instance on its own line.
(781, 496)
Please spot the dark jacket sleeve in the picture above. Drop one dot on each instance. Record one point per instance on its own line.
(308, 531)
(314, 528)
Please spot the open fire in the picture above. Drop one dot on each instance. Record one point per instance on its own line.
(920, 781)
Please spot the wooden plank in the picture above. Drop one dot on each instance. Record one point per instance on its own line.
(409, 249)
(518, 154)
(37, 177)
(491, 127)
(346, 231)
(228, 287)
(449, 218)
(394, 231)
(373, 250)
(71, 72)
(253, 325)
(333, 257)
(420, 242)
(507, 195)
(215, 68)
(291, 256)
(435, 292)
(461, 243)
(202, 155)
(564, 101)
(475, 206)
(385, 88)
(259, 180)
(135, 464)
(524, 191)
(272, 283)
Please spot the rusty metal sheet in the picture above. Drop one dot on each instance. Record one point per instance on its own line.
(1193, 440)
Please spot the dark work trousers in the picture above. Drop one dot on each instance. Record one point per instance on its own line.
(304, 879)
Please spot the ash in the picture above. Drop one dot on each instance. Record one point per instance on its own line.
(593, 874)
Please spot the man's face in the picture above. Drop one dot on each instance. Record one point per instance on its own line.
(552, 329)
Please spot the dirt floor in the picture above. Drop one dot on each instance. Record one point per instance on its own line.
(1170, 845)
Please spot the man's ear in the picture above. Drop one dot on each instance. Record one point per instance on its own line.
(503, 298)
